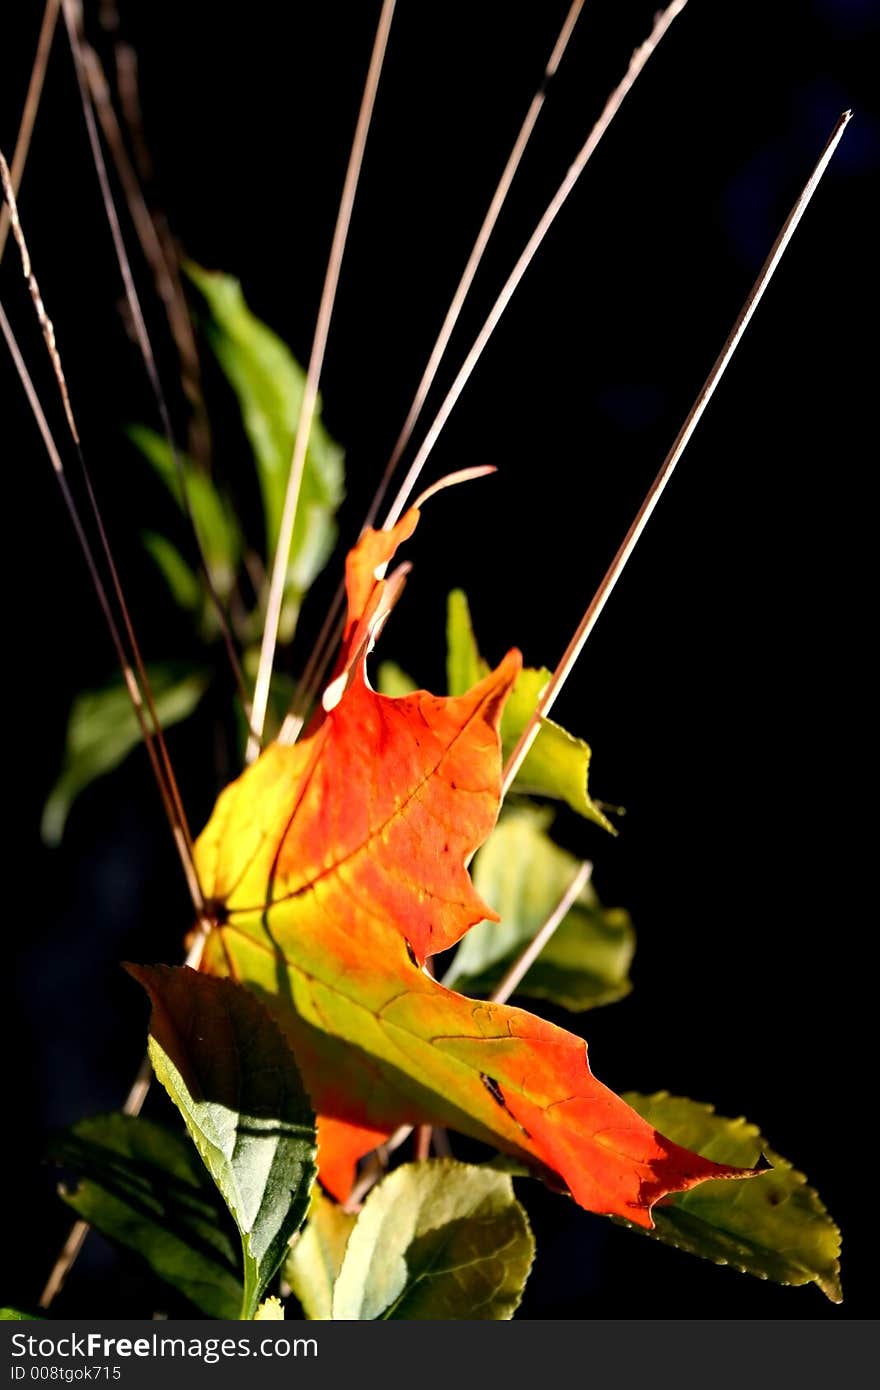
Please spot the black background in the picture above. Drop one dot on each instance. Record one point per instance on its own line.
(725, 691)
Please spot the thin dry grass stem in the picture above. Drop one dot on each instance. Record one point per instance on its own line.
(141, 687)
(65, 1262)
(422, 1145)
(612, 106)
(179, 321)
(158, 251)
(484, 235)
(72, 16)
(630, 540)
(328, 638)
(46, 325)
(530, 954)
(31, 107)
(313, 374)
(128, 674)
(461, 475)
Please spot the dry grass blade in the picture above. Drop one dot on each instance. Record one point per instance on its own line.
(72, 17)
(152, 730)
(313, 374)
(128, 674)
(31, 107)
(530, 954)
(329, 636)
(637, 63)
(630, 540)
(484, 235)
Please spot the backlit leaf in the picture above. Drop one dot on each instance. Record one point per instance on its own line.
(392, 680)
(557, 764)
(337, 865)
(102, 730)
(436, 1240)
(313, 1265)
(777, 1228)
(523, 875)
(228, 1070)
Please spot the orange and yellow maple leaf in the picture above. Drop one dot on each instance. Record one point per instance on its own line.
(337, 867)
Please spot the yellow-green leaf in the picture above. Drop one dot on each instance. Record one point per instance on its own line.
(315, 1259)
(522, 874)
(558, 764)
(776, 1227)
(436, 1240)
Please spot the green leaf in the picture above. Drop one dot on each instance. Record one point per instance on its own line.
(229, 1071)
(774, 1226)
(392, 680)
(215, 520)
(464, 665)
(436, 1240)
(316, 1258)
(557, 764)
(144, 1188)
(13, 1315)
(102, 730)
(269, 384)
(523, 875)
(183, 582)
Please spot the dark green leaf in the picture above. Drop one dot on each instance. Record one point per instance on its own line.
(144, 1188)
(229, 1071)
(102, 730)
(269, 384)
(436, 1240)
(184, 584)
(558, 764)
(524, 875)
(215, 520)
(774, 1226)
(316, 1258)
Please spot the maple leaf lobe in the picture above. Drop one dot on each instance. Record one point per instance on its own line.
(341, 863)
